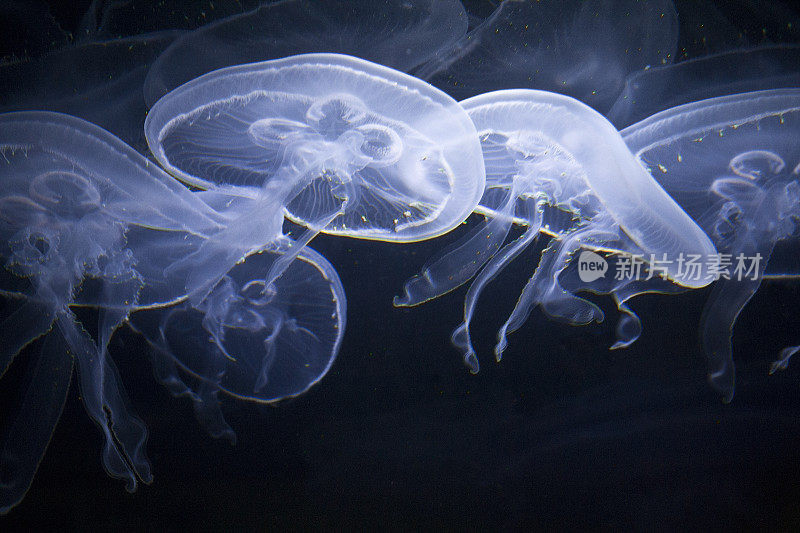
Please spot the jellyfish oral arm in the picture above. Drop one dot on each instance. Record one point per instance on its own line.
(104, 397)
(458, 263)
(461, 336)
(543, 288)
(756, 237)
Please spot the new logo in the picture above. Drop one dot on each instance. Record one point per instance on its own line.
(591, 266)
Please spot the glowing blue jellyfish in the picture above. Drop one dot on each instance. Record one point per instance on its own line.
(268, 342)
(85, 221)
(733, 163)
(556, 166)
(336, 143)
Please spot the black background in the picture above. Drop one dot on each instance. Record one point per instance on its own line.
(562, 434)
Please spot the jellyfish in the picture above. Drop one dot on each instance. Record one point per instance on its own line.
(250, 341)
(335, 143)
(556, 166)
(401, 34)
(85, 221)
(583, 49)
(733, 164)
(731, 72)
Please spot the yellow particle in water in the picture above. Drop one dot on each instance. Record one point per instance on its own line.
(662, 168)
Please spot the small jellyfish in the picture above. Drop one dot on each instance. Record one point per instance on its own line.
(581, 48)
(400, 34)
(248, 340)
(733, 164)
(337, 144)
(556, 166)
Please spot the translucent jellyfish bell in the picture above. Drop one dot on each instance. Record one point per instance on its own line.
(557, 166)
(401, 34)
(250, 341)
(339, 144)
(733, 163)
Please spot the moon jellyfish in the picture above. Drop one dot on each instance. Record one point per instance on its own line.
(338, 144)
(252, 341)
(733, 163)
(401, 34)
(650, 91)
(556, 166)
(583, 49)
(85, 221)
(61, 220)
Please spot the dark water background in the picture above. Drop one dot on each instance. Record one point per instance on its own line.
(563, 434)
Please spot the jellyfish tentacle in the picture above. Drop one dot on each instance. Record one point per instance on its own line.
(755, 238)
(280, 264)
(629, 326)
(727, 300)
(267, 359)
(207, 411)
(102, 394)
(467, 256)
(344, 190)
(204, 400)
(205, 403)
(723, 307)
(461, 336)
(101, 388)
